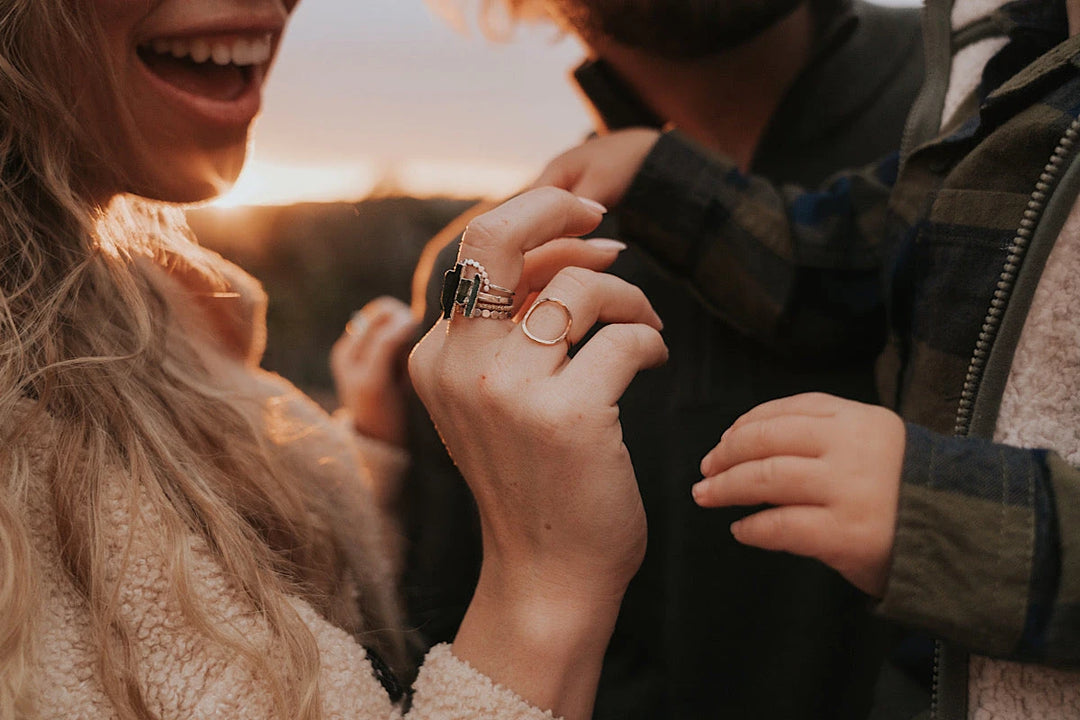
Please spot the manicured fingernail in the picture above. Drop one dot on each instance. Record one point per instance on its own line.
(593, 205)
(606, 244)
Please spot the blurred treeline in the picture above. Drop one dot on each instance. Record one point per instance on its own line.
(319, 263)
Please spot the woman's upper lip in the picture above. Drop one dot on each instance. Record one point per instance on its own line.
(217, 27)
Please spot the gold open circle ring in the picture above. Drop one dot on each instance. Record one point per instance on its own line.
(545, 341)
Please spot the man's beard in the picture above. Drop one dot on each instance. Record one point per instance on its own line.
(675, 29)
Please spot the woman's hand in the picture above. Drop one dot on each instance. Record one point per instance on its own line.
(368, 365)
(831, 466)
(601, 168)
(537, 437)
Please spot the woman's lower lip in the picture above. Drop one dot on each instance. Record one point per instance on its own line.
(240, 111)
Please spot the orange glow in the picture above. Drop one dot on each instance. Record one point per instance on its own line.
(425, 178)
(266, 183)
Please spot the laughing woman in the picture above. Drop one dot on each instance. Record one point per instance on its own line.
(183, 535)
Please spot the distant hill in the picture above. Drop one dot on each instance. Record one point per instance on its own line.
(319, 263)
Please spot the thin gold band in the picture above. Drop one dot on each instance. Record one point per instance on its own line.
(543, 341)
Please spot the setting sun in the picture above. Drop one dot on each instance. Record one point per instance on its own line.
(265, 183)
(268, 183)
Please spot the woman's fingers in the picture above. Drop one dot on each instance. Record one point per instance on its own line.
(798, 435)
(544, 263)
(603, 367)
(775, 480)
(498, 239)
(574, 301)
(370, 327)
(563, 172)
(590, 297)
(393, 338)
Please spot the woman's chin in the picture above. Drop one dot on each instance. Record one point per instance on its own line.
(187, 190)
(190, 177)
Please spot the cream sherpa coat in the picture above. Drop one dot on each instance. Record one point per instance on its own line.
(1040, 406)
(183, 675)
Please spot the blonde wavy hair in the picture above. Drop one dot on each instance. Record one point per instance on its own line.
(85, 347)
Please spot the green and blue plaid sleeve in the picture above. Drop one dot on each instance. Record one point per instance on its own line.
(798, 270)
(986, 552)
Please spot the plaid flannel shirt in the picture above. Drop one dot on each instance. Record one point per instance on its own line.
(987, 551)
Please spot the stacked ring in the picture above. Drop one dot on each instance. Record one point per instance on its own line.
(476, 295)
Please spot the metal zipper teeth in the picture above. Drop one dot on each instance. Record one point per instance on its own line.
(992, 322)
(935, 683)
(1007, 280)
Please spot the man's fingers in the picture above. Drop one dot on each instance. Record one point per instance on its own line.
(776, 480)
(604, 366)
(560, 174)
(798, 435)
(799, 529)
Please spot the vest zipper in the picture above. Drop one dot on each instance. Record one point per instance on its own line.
(992, 324)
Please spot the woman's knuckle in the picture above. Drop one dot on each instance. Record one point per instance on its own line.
(649, 343)
(424, 364)
(444, 383)
(485, 231)
(555, 419)
(622, 339)
(766, 474)
(552, 194)
(636, 295)
(762, 434)
(574, 281)
(417, 361)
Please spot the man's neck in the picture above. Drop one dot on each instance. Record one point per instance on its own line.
(726, 101)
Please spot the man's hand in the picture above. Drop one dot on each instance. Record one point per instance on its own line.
(832, 469)
(602, 168)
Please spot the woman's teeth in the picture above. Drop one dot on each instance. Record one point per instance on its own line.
(242, 51)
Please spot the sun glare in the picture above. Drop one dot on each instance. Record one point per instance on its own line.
(266, 183)
(426, 178)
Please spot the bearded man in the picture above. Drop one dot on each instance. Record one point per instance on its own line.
(791, 90)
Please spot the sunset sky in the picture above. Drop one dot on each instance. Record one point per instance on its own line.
(377, 93)
(373, 95)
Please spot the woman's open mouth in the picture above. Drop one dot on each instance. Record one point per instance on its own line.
(219, 75)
